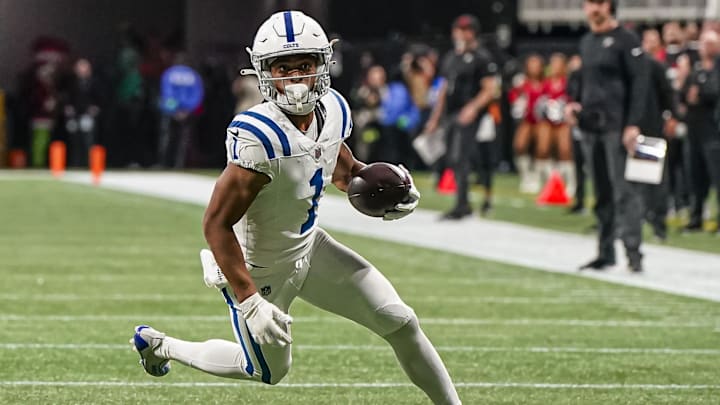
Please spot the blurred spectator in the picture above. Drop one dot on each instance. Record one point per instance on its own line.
(700, 94)
(659, 121)
(470, 87)
(399, 117)
(130, 104)
(38, 96)
(366, 101)
(82, 108)
(553, 130)
(692, 36)
(674, 39)
(246, 92)
(181, 93)
(524, 100)
(611, 104)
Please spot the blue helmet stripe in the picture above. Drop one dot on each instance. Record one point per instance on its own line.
(289, 30)
(344, 111)
(278, 131)
(258, 133)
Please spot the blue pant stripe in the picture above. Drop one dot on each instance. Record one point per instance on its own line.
(236, 324)
(261, 359)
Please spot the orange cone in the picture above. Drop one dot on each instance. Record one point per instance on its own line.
(554, 192)
(58, 155)
(447, 183)
(97, 162)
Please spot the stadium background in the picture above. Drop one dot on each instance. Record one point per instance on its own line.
(82, 265)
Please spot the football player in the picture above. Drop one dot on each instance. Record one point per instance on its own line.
(281, 155)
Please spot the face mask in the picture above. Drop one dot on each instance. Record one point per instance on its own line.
(297, 97)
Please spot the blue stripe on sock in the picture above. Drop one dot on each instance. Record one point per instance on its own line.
(274, 126)
(236, 324)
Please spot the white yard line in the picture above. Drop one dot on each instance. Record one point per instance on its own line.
(245, 385)
(628, 302)
(672, 270)
(470, 349)
(603, 323)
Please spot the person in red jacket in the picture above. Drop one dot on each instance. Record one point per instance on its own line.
(524, 100)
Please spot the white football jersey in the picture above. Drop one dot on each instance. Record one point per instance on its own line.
(279, 225)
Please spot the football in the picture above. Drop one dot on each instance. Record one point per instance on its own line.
(377, 188)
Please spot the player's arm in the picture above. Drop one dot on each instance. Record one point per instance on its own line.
(347, 167)
(234, 191)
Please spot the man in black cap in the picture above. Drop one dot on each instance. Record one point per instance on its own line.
(469, 88)
(609, 110)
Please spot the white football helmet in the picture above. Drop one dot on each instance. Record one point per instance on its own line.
(291, 33)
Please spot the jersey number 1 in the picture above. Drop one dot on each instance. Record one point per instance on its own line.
(316, 182)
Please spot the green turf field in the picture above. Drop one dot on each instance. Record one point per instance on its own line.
(81, 266)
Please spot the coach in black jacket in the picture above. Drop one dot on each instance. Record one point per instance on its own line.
(610, 108)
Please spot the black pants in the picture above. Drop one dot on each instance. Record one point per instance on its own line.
(704, 159)
(579, 159)
(619, 206)
(460, 151)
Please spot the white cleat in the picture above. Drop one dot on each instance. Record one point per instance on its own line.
(212, 275)
(145, 341)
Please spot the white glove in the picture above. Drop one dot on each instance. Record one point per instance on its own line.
(408, 206)
(268, 325)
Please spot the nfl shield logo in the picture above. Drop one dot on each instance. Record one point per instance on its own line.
(318, 153)
(265, 291)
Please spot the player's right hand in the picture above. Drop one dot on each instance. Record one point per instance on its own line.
(268, 325)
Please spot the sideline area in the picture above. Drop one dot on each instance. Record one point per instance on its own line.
(667, 269)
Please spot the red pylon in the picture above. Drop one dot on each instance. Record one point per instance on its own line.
(447, 183)
(554, 192)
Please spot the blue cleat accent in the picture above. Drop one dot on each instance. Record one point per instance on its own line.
(145, 341)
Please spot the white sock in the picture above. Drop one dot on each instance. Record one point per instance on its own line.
(217, 357)
(527, 176)
(544, 169)
(422, 364)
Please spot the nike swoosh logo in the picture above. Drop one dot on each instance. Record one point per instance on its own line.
(234, 131)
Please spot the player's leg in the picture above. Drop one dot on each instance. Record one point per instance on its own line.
(543, 144)
(342, 282)
(521, 143)
(242, 360)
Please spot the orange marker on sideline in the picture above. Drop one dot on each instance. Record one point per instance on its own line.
(58, 155)
(97, 162)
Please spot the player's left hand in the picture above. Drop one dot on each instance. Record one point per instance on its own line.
(406, 207)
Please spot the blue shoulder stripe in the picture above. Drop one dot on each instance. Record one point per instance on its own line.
(344, 111)
(274, 126)
(258, 133)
